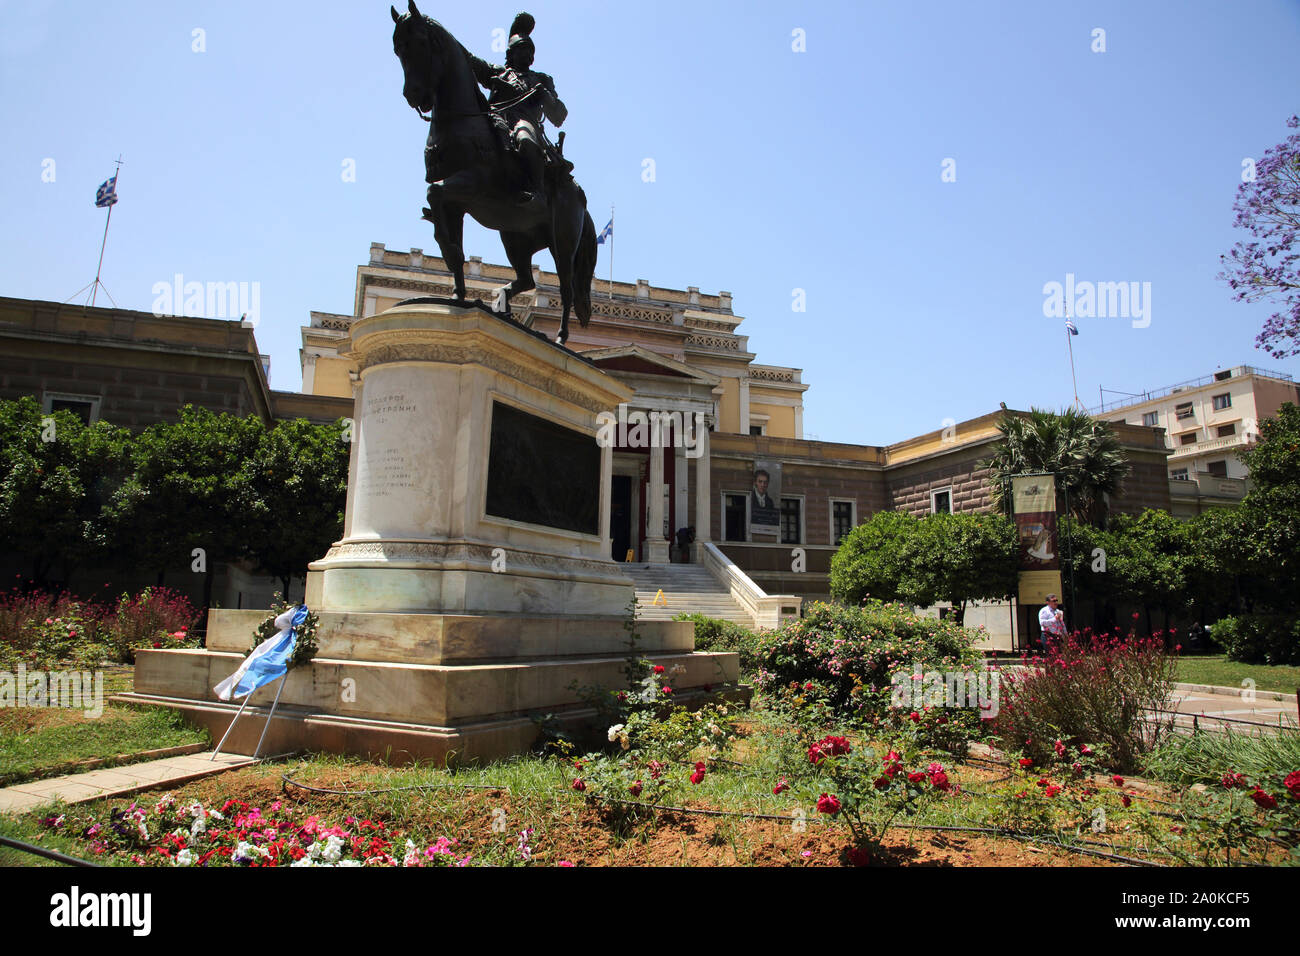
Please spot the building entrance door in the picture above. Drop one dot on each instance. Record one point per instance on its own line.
(620, 517)
(734, 519)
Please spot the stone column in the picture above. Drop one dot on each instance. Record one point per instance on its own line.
(606, 495)
(703, 499)
(656, 547)
(680, 499)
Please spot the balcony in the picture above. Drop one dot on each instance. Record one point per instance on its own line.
(1209, 445)
(1204, 485)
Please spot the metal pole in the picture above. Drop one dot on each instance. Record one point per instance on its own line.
(611, 252)
(1068, 342)
(1074, 603)
(231, 727)
(270, 715)
(94, 289)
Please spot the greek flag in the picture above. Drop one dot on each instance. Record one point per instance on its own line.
(606, 233)
(269, 660)
(1069, 324)
(106, 195)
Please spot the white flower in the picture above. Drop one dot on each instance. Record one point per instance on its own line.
(305, 861)
(350, 863)
(196, 811)
(412, 855)
(333, 851)
(614, 732)
(184, 858)
(198, 828)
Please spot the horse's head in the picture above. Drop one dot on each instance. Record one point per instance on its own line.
(416, 43)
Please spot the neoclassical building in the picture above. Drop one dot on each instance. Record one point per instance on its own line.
(684, 356)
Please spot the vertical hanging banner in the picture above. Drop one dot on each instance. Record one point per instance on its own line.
(765, 497)
(1033, 508)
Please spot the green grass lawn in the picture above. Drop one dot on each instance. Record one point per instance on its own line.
(33, 741)
(1218, 670)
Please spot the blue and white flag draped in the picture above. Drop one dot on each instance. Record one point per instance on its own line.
(269, 660)
(1070, 326)
(606, 233)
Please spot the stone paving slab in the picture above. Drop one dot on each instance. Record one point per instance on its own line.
(117, 781)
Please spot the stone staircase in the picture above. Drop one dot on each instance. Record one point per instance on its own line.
(688, 588)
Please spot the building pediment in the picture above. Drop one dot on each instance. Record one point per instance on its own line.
(641, 361)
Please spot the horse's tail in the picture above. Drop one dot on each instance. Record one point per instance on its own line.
(584, 269)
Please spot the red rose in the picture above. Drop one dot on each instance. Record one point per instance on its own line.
(1230, 780)
(881, 783)
(579, 785)
(697, 777)
(1126, 799)
(1052, 791)
(659, 668)
(781, 787)
(1263, 799)
(667, 689)
(939, 780)
(701, 766)
(1059, 748)
(1117, 780)
(828, 804)
(635, 789)
(1292, 783)
(857, 856)
(1085, 750)
(1026, 762)
(914, 717)
(808, 686)
(916, 777)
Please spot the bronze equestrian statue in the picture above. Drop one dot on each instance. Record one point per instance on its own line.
(490, 158)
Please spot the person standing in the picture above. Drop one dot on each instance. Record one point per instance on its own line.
(1051, 621)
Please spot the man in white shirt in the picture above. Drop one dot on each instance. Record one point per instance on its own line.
(1051, 621)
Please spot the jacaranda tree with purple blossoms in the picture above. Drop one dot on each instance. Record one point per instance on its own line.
(1268, 267)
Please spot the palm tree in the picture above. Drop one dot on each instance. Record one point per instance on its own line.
(1082, 452)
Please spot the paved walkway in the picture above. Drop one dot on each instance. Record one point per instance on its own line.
(1201, 705)
(117, 781)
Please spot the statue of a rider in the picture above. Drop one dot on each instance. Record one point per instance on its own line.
(519, 99)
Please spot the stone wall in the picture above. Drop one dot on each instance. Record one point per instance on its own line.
(910, 485)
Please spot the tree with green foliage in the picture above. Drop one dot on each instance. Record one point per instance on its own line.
(1268, 520)
(56, 474)
(295, 490)
(186, 502)
(1082, 452)
(959, 558)
(868, 562)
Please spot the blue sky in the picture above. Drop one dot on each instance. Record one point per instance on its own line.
(775, 170)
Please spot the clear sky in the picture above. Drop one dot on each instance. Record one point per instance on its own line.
(775, 170)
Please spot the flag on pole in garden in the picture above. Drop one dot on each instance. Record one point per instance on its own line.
(1070, 326)
(106, 195)
(268, 661)
(606, 233)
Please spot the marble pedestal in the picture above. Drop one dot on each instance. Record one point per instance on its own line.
(472, 588)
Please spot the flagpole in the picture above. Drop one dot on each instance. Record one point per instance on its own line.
(94, 289)
(271, 715)
(1068, 336)
(611, 252)
(247, 698)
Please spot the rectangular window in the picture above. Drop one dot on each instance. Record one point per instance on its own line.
(1184, 411)
(1222, 401)
(1227, 431)
(1222, 376)
(756, 429)
(790, 514)
(1187, 438)
(85, 407)
(1219, 469)
(841, 520)
(941, 502)
(1150, 418)
(1179, 474)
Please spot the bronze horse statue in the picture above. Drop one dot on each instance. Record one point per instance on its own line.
(471, 169)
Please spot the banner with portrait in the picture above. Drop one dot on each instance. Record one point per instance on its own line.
(1033, 502)
(765, 497)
